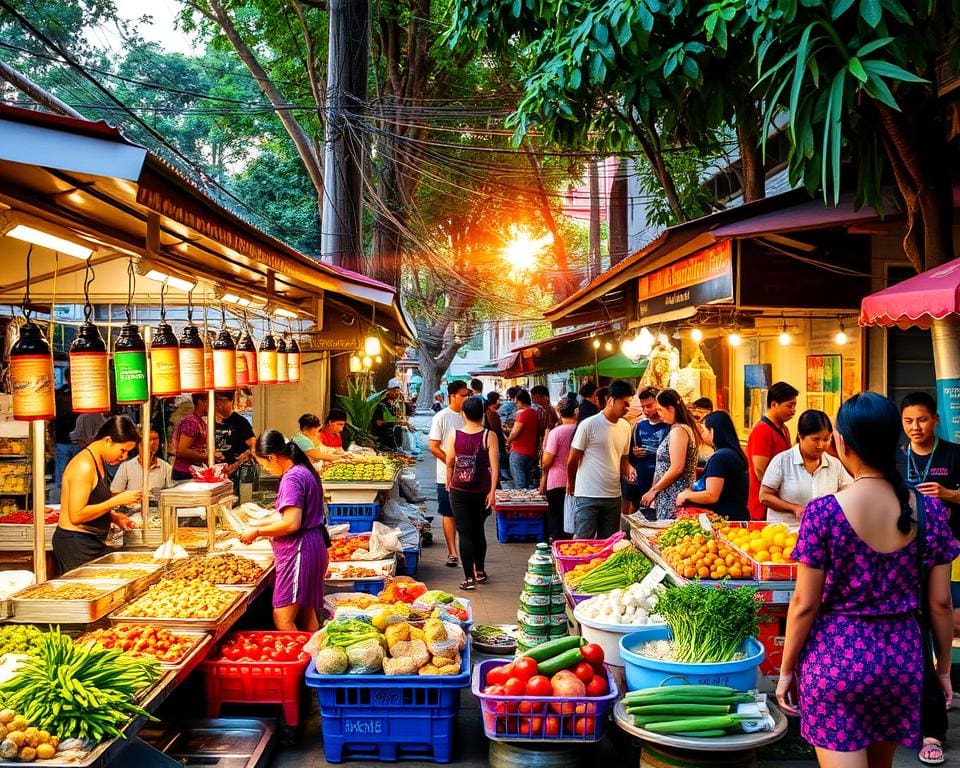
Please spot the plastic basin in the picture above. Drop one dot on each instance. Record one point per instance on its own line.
(607, 636)
(649, 673)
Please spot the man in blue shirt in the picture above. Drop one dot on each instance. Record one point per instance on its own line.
(648, 432)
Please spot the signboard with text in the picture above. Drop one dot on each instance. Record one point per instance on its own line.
(706, 277)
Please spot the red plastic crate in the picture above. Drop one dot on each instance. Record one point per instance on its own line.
(256, 682)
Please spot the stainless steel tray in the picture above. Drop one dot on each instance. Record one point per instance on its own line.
(201, 641)
(28, 610)
(122, 558)
(197, 624)
(134, 585)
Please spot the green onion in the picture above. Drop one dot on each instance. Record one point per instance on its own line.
(709, 624)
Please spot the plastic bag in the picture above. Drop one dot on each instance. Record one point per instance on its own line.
(569, 513)
(315, 643)
(384, 538)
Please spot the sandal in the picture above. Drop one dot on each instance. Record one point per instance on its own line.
(482, 577)
(452, 562)
(468, 585)
(931, 753)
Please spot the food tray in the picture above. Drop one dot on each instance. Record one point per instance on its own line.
(28, 610)
(763, 571)
(201, 642)
(384, 569)
(128, 558)
(265, 564)
(134, 586)
(197, 624)
(571, 560)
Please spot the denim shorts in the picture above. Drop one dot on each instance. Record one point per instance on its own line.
(443, 501)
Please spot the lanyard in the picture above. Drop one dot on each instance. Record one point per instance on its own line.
(913, 472)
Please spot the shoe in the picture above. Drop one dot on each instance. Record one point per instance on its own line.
(468, 585)
(452, 562)
(482, 577)
(931, 753)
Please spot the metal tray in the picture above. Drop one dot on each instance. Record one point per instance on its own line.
(134, 586)
(122, 558)
(243, 592)
(201, 641)
(28, 610)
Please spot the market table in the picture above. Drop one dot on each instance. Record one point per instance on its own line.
(133, 750)
(357, 492)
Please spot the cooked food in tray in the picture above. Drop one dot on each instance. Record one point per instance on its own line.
(181, 599)
(145, 640)
(219, 569)
(61, 592)
(124, 574)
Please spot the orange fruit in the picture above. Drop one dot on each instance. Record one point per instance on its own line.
(747, 571)
(703, 572)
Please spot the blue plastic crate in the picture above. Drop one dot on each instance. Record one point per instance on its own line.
(510, 529)
(359, 517)
(369, 586)
(389, 718)
(411, 557)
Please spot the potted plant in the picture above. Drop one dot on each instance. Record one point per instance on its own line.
(360, 405)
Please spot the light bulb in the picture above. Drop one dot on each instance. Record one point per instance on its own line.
(608, 347)
(628, 348)
(378, 359)
(784, 338)
(355, 364)
(697, 335)
(367, 362)
(734, 339)
(596, 343)
(371, 345)
(841, 338)
(664, 339)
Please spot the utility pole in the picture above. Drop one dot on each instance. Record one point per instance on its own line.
(593, 185)
(348, 54)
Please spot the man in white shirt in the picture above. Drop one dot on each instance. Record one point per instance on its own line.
(444, 424)
(599, 457)
(129, 475)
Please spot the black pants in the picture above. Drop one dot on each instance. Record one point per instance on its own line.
(71, 549)
(554, 519)
(470, 513)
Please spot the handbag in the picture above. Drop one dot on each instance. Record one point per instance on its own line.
(465, 467)
(933, 708)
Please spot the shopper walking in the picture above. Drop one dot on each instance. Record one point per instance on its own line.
(853, 648)
(599, 457)
(725, 476)
(805, 472)
(522, 442)
(769, 437)
(444, 424)
(473, 466)
(645, 439)
(553, 463)
(676, 465)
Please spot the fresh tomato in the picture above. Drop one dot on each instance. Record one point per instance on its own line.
(551, 726)
(584, 726)
(539, 685)
(499, 675)
(232, 652)
(586, 708)
(531, 707)
(515, 686)
(531, 726)
(524, 668)
(593, 654)
(583, 671)
(597, 686)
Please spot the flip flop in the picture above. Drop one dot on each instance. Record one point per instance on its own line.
(468, 585)
(931, 753)
(452, 562)
(482, 577)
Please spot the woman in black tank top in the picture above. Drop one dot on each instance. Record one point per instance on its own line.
(86, 502)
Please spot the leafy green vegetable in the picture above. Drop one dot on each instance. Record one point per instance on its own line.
(623, 568)
(342, 633)
(709, 624)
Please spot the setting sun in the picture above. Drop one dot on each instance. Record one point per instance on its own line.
(521, 250)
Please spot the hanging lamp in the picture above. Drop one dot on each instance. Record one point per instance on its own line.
(356, 364)
(283, 370)
(224, 357)
(247, 350)
(164, 356)
(294, 361)
(89, 363)
(31, 367)
(130, 355)
(191, 354)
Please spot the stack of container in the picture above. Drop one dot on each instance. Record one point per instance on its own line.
(542, 614)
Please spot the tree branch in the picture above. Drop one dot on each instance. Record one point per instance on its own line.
(316, 87)
(36, 92)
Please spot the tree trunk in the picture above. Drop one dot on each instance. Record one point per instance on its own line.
(617, 215)
(593, 184)
(431, 376)
(751, 158)
(36, 92)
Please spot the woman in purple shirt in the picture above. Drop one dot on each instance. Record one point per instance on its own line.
(299, 551)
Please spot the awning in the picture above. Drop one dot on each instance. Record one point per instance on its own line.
(917, 301)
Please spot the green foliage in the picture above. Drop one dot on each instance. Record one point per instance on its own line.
(360, 405)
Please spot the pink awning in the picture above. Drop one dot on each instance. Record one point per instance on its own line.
(917, 301)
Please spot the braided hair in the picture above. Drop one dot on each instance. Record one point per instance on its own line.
(870, 425)
(273, 443)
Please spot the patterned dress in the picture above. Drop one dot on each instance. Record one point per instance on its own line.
(665, 502)
(861, 666)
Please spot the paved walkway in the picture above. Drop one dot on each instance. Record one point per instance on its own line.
(496, 603)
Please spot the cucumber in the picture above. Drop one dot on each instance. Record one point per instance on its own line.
(554, 664)
(550, 648)
(681, 710)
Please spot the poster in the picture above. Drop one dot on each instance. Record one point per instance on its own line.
(824, 383)
(756, 382)
(948, 408)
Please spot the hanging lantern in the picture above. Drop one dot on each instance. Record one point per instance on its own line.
(378, 359)
(283, 370)
(89, 371)
(191, 360)
(130, 366)
(367, 362)
(356, 364)
(247, 351)
(371, 345)
(165, 362)
(293, 360)
(224, 361)
(31, 375)
(268, 360)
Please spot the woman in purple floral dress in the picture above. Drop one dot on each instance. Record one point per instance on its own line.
(853, 648)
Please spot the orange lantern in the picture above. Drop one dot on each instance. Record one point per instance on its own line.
(191, 360)
(268, 360)
(31, 375)
(89, 371)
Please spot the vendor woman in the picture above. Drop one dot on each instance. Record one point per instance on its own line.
(297, 537)
(86, 502)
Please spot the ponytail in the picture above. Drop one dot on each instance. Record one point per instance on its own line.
(273, 443)
(295, 453)
(870, 426)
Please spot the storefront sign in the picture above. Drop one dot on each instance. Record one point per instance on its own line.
(704, 278)
(948, 408)
(337, 335)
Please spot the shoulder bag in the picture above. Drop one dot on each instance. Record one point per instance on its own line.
(465, 466)
(933, 709)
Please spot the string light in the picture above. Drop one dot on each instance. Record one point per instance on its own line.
(841, 338)
(596, 343)
(696, 335)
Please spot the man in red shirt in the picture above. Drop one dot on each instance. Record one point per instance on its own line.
(769, 437)
(522, 442)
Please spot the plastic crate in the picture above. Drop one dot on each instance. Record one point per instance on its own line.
(389, 718)
(359, 517)
(411, 558)
(519, 529)
(569, 561)
(503, 721)
(256, 682)
(521, 513)
(368, 586)
(763, 571)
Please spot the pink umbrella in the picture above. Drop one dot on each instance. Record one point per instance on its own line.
(917, 301)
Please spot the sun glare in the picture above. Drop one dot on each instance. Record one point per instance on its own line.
(522, 249)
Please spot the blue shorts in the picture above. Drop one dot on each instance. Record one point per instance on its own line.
(955, 594)
(443, 501)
